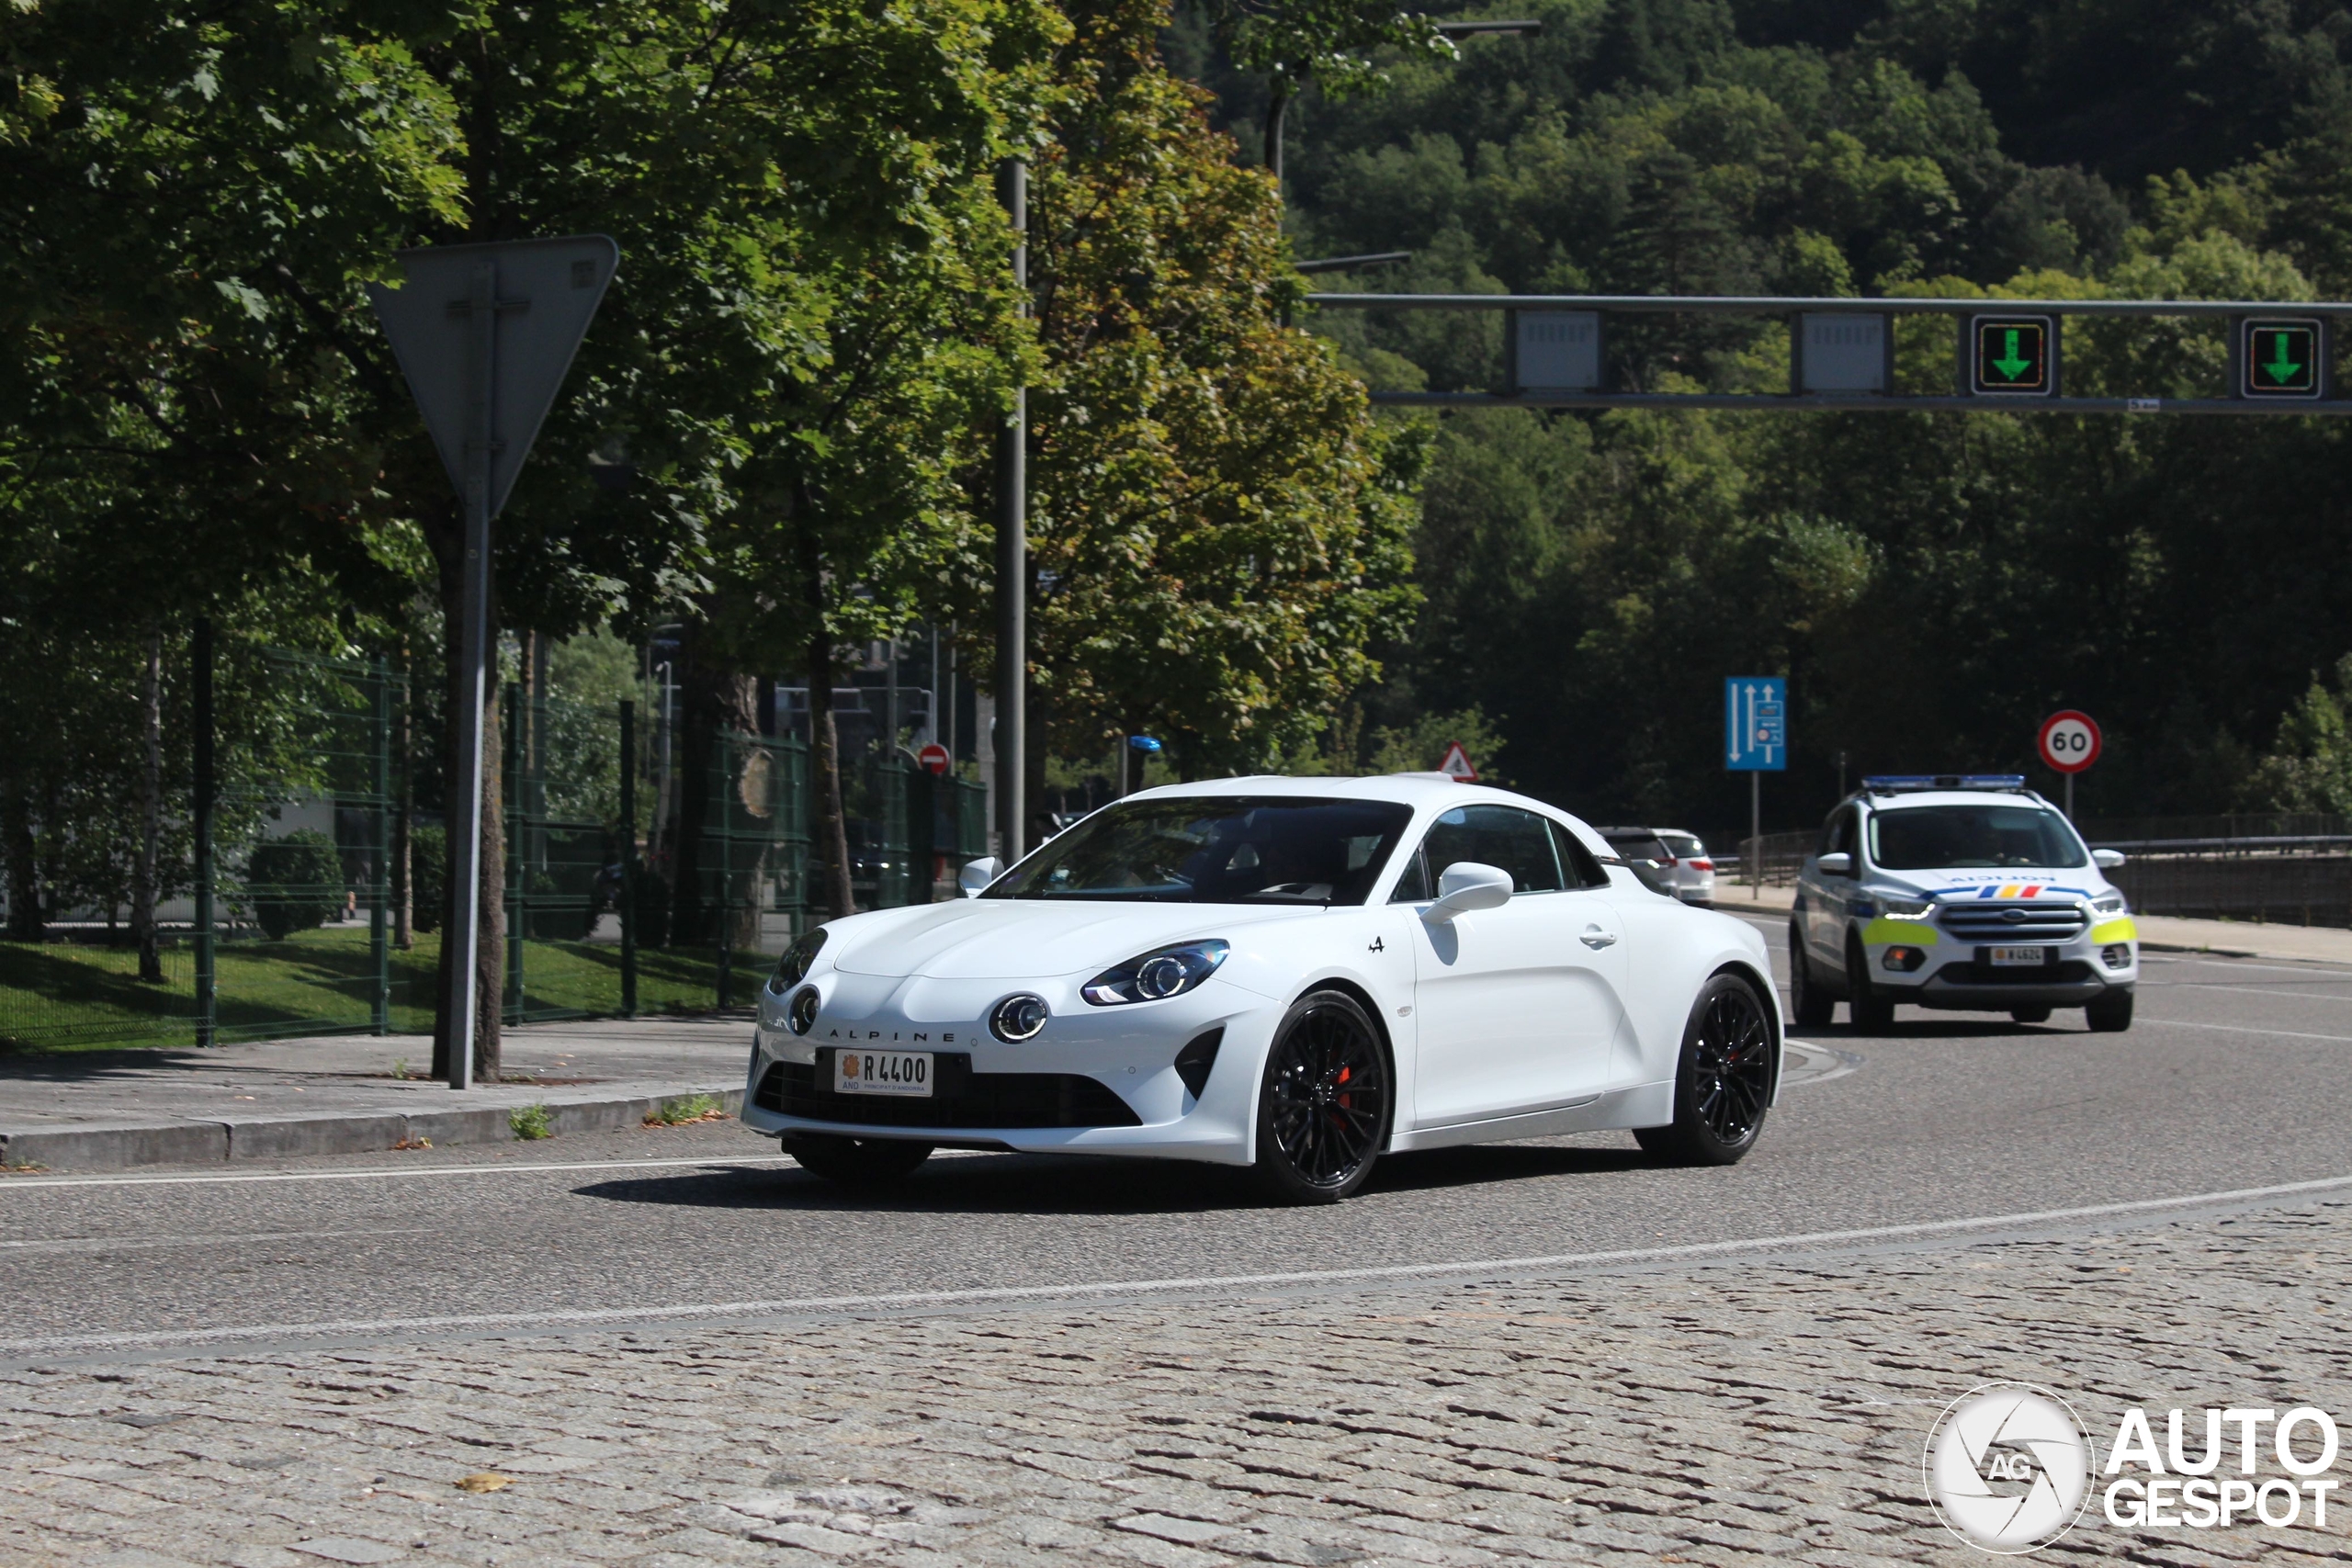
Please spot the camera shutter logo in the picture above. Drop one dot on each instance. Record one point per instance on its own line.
(2008, 1468)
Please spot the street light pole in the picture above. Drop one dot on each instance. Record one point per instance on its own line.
(1013, 555)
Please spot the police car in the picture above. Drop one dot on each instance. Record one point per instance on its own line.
(1967, 892)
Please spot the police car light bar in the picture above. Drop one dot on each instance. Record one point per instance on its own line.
(1892, 783)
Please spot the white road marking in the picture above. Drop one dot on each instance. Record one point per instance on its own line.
(2310, 968)
(226, 1238)
(2246, 991)
(2248, 1029)
(578, 1317)
(14, 1184)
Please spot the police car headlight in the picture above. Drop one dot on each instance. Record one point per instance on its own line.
(2110, 904)
(1908, 909)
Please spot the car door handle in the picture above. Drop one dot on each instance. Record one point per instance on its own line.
(1594, 937)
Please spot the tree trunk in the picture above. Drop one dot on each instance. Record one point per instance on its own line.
(151, 810)
(24, 866)
(404, 811)
(825, 763)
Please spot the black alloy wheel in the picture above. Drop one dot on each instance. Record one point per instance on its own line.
(1809, 1005)
(1869, 1006)
(862, 1163)
(1323, 1108)
(1723, 1083)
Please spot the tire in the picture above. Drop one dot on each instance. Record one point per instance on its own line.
(2030, 1015)
(860, 1163)
(1869, 1006)
(2110, 1014)
(1325, 1103)
(1810, 1007)
(1723, 1081)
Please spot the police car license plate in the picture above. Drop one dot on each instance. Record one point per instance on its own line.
(2017, 957)
(882, 1072)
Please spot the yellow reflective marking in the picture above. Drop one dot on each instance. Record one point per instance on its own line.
(2115, 931)
(1885, 930)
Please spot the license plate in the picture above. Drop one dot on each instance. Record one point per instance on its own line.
(2017, 957)
(882, 1072)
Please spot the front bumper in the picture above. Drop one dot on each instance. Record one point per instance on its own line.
(1095, 1080)
(1955, 973)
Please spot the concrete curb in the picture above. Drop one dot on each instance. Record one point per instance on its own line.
(197, 1140)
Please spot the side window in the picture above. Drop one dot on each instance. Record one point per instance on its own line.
(1519, 841)
(1413, 886)
(1843, 837)
(1583, 869)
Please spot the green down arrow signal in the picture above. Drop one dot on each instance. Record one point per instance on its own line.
(2283, 370)
(2010, 366)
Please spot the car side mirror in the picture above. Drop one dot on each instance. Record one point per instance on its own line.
(2107, 860)
(1836, 862)
(976, 875)
(1466, 885)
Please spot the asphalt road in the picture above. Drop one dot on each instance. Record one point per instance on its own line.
(2232, 1079)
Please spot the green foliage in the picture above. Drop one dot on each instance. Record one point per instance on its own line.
(1219, 525)
(530, 1122)
(683, 1108)
(294, 883)
(2309, 767)
(1932, 585)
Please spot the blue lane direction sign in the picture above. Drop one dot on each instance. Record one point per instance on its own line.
(1755, 723)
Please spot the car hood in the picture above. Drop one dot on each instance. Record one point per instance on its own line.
(1011, 939)
(2076, 882)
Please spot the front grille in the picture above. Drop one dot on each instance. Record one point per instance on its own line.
(964, 1098)
(2018, 921)
(1968, 972)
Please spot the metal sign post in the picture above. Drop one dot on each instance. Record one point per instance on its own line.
(1756, 743)
(484, 334)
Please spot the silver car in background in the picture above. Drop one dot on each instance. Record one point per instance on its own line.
(1667, 861)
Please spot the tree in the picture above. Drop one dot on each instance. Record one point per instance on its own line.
(1217, 525)
(1329, 44)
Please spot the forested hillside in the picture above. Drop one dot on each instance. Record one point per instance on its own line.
(1932, 584)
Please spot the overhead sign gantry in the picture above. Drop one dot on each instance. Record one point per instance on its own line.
(1841, 352)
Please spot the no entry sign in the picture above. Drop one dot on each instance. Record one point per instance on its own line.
(933, 758)
(2070, 742)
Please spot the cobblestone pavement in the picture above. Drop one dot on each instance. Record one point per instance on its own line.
(1696, 1414)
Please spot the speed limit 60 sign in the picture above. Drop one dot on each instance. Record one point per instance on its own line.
(2069, 741)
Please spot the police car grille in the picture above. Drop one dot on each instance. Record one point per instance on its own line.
(1992, 919)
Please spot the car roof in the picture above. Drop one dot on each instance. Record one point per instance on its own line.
(1909, 798)
(1422, 791)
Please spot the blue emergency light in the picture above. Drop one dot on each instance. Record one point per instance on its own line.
(1895, 783)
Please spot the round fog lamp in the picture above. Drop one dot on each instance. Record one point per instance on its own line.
(803, 1014)
(1163, 977)
(1018, 1017)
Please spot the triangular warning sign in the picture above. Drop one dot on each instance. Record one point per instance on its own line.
(541, 295)
(1456, 765)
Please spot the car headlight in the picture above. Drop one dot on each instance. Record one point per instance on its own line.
(2110, 904)
(793, 967)
(1018, 1017)
(1152, 977)
(801, 1017)
(1909, 909)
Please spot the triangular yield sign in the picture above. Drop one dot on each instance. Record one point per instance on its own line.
(543, 293)
(1456, 765)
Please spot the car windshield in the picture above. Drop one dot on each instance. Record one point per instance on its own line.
(1682, 844)
(1957, 838)
(1217, 850)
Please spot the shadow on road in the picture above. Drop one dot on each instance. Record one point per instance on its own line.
(1063, 1185)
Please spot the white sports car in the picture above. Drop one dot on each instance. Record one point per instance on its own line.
(1296, 975)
